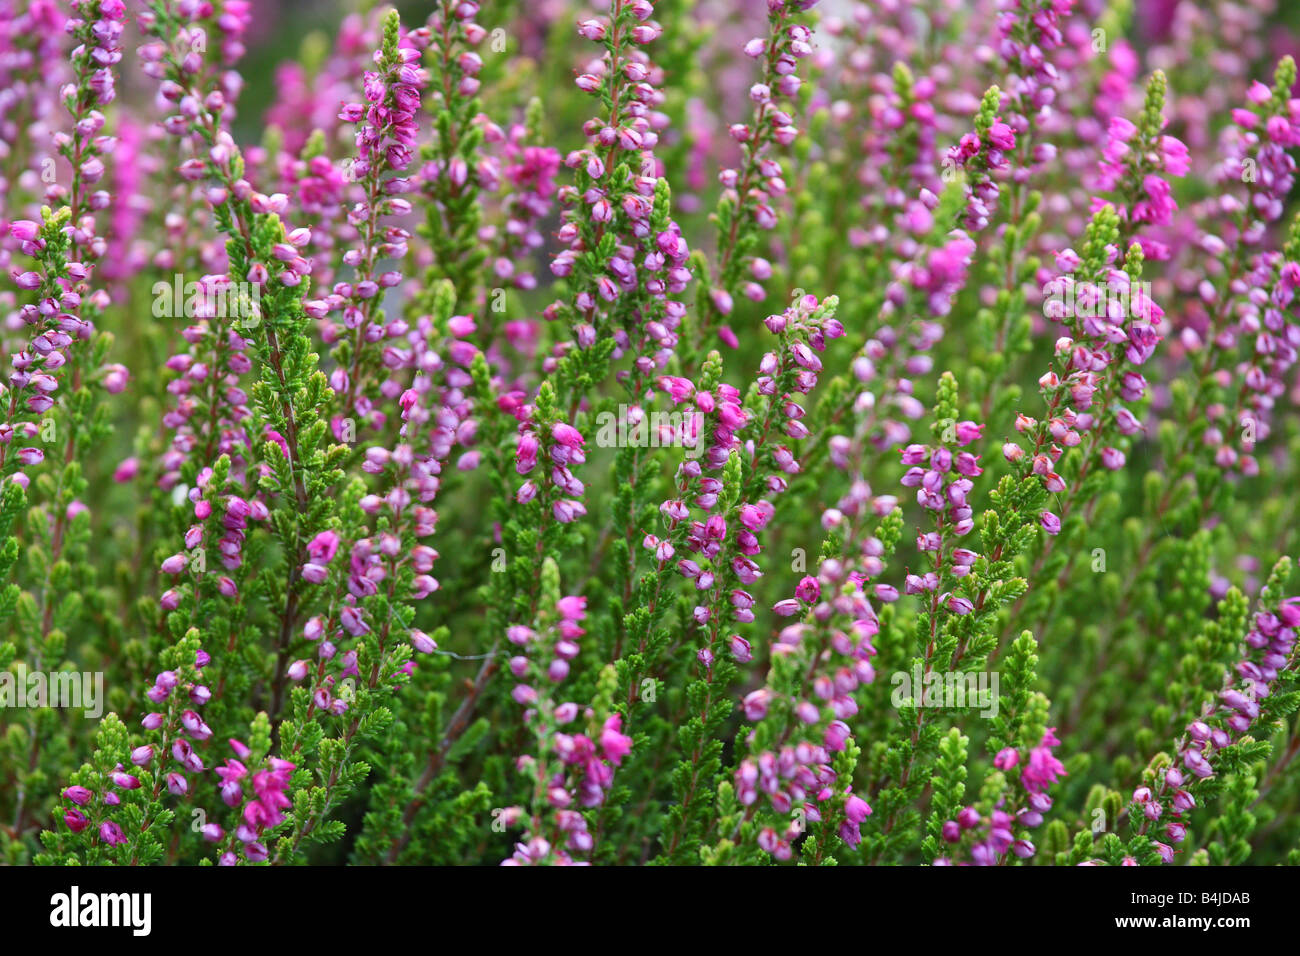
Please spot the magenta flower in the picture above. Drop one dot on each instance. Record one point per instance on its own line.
(111, 834)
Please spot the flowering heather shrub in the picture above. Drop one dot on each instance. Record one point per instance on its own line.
(649, 431)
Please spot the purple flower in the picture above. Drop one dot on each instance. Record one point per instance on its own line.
(111, 833)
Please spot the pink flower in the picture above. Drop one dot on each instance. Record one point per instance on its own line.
(565, 434)
(1042, 768)
(968, 432)
(115, 378)
(323, 547)
(572, 607)
(808, 590)
(353, 622)
(756, 704)
(1112, 458)
(836, 736)
(1002, 137)
(856, 809)
(786, 608)
(615, 744)
(1006, 758)
(78, 795)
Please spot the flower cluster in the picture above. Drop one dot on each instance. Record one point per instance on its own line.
(571, 770)
(385, 141)
(751, 190)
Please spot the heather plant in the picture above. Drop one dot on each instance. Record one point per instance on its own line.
(649, 432)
